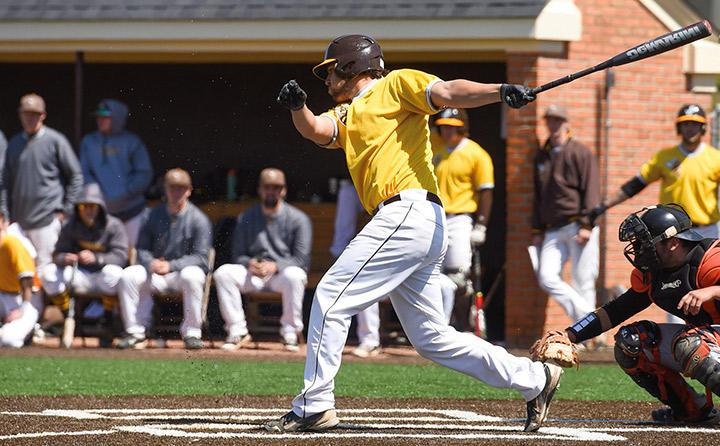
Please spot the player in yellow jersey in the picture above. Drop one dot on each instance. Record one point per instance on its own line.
(689, 173)
(465, 179)
(18, 306)
(381, 123)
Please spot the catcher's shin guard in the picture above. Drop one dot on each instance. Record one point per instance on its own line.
(697, 349)
(632, 344)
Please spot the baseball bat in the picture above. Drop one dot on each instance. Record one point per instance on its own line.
(69, 325)
(652, 47)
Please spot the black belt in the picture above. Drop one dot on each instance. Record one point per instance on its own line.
(429, 197)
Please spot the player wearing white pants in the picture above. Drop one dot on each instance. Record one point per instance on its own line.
(407, 238)
(558, 246)
(55, 279)
(347, 212)
(232, 280)
(457, 258)
(136, 302)
(44, 240)
(381, 123)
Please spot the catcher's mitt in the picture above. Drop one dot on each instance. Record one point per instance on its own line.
(556, 346)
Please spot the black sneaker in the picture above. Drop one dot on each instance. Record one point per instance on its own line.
(537, 409)
(314, 423)
(193, 343)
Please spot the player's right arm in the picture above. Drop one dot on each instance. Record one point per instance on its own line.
(318, 129)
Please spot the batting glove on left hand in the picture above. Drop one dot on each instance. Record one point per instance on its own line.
(516, 96)
(477, 235)
(291, 96)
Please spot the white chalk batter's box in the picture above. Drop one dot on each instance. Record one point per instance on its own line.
(357, 424)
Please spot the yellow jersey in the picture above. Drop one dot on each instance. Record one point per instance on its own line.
(461, 172)
(15, 264)
(688, 179)
(384, 132)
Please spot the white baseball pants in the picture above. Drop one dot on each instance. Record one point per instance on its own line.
(559, 245)
(44, 240)
(368, 326)
(13, 333)
(231, 280)
(399, 253)
(458, 257)
(105, 281)
(135, 290)
(132, 227)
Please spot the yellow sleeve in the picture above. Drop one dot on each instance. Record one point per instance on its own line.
(484, 176)
(412, 87)
(650, 171)
(20, 258)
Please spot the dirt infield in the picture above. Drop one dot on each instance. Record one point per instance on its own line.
(141, 421)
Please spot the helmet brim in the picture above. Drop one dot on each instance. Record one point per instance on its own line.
(691, 118)
(690, 235)
(452, 122)
(320, 70)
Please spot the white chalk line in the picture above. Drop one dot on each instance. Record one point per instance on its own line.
(55, 434)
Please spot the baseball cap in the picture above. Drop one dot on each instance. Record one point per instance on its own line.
(103, 110)
(178, 177)
(556, 111)
(32, 103)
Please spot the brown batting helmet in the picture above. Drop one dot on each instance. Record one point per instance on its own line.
(352, 55)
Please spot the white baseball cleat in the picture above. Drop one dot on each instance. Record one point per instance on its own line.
(314, 423)
(537, 409)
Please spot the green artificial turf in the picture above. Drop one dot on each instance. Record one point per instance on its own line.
(83, 376)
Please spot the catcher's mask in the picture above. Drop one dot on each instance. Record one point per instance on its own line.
(645, 228)
(351, 55)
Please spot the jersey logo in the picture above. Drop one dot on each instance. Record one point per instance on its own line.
(341, 113)
(673, 284)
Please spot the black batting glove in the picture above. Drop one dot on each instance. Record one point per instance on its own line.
(516, 96)
(291, 96)
(596, 212)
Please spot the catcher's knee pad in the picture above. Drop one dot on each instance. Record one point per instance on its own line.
(697, 349)
(631, 340)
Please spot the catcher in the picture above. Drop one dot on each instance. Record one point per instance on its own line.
(679, 271)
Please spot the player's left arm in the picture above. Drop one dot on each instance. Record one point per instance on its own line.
(708, 280)
(462, 93)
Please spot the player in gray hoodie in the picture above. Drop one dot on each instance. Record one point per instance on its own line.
(97, 242)
(118, 161)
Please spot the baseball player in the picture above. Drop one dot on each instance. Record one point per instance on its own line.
(688, 172)
(347, 212)
(19, 307)
(465, 179)
(567, 187)
(381, 123)
(677, 269)
(97, 242)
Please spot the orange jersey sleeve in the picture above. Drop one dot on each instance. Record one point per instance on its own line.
(637, 282)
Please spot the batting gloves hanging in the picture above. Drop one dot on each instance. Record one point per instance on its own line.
(477, 235)
(291, 96)
(516, 96)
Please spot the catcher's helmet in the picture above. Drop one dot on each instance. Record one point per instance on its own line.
(693, 113)
(351, 55)
(453, 117)
(650, 225)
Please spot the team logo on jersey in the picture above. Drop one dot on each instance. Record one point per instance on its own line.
(673, 284)
(341, 113)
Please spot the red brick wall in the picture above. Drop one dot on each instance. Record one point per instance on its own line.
(643, 103)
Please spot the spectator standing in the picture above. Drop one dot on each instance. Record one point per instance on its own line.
(97, 243)
(271, 251)
(567, 187)
(466, 181)
(172, 252)
(118, 161)
(42, 178)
